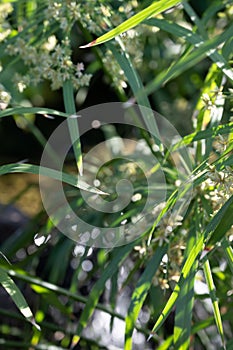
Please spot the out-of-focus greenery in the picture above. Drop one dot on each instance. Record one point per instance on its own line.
(173, 284)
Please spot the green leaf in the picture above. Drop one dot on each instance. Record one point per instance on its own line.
(136, 85)
(140, 293)
(51, 299)
(184, 273)
(184, 305)
(202, 48)
(35, 110)
(204, 237)
(215, 56)
(56, 271)
(52, 173)
(212, 9)
(21, 275)
(211, 287)
(204, 134)
(17, 297)
(152, 10)
(113, 295)
(119, 256)
(68, 95)
(228, 251)
(224, 224)
(166, 345)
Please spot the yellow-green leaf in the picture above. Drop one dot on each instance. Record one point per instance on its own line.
(152, 10)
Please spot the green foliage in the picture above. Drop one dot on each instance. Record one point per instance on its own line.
(170, 55)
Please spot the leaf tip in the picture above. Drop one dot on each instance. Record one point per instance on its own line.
(150, 336)
(80, 169)
(92, 43)
(48, 116)
(33, 322)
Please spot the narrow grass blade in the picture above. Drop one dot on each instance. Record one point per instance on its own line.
(152, 10)
(204, 237)
(227, 48)
(214, 55)
(16, 295)
(224, 224)
(202, 49)
(51, 299)
(35, 110)
(214, 8)
(113, 295)
(68, 95)
(211, 287)
(118, 256)
(228, 252)
(218, 221)
(184, 273)
(175, 29)
(62, 253)
(54, 174)
(184, 305)
(166, 345)
(204, 134)
(34, 281)
(140, 293)
(136, 85)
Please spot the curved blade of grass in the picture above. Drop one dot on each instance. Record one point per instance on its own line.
(184, 305)
(52, 173)
(140, 293)
(227, 48)
(204, 134)
(184, 273)
(218, 219)
(34, 281)
(51, 299)
(202, 49)
(228, 251)
(152, 10)
(68, 95)
(224, 225)
(175, 29)
(136, 85)
(216, 56)
(211, 287)
(166, 345)
(17, 297)
(211, 10)
(62, 253)
(113, 295)
(192, 38)
(35, 110)
(119, 255)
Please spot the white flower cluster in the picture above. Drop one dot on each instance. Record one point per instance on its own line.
(5, 97)
(133, 42)
(51, 62)
(218, 188)
(169, 271)
(5, 27)
(219, 185)
(90, 14)
(65, 13)
(167, 224)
